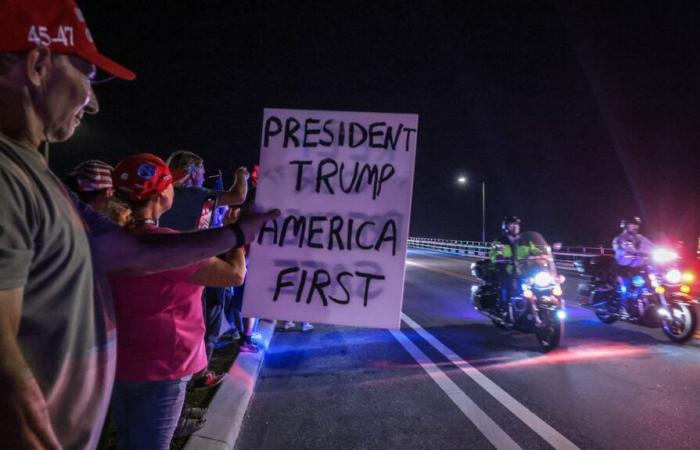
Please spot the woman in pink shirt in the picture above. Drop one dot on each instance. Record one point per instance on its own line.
(160, 326)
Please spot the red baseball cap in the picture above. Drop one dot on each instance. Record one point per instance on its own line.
(144, 175)
(56, 24)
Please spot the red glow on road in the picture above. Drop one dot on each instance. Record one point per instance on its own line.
(384, 364)
(596, 352)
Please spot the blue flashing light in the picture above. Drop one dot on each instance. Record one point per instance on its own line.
(638, 281)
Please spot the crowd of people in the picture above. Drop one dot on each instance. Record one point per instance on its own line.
(113, 280)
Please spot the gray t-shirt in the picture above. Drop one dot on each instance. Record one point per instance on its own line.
(192, 208)
(62, 334)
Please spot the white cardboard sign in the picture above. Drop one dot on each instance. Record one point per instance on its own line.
(337, 254)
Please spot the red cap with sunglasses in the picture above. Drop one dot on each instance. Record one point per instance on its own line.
(56, 24)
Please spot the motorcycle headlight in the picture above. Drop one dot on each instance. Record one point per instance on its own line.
(673, 276)
(663, 256)
(543, 279)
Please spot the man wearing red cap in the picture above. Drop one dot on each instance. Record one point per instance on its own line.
(57, 336)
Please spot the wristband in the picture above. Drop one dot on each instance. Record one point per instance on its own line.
(240, 237)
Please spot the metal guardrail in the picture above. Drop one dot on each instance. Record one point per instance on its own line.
(564, 258)
(465, 248)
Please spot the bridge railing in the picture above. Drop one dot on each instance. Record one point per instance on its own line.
(564, 257)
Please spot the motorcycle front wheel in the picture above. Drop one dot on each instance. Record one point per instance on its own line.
(682, 324)
(550, 331)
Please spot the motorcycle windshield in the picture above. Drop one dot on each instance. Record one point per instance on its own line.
(540, 254)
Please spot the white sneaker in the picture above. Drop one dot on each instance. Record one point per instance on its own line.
(306, 326)
(289, 325)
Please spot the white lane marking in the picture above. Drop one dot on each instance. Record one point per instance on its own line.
(539, 426)
(478, 417)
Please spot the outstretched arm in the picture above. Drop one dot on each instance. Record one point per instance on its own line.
(238, 192)
(118, 250)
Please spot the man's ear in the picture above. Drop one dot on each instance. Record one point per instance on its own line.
(38, 65)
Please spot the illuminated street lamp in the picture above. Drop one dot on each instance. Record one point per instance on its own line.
(463, 181)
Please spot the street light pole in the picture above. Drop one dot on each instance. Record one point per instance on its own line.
(463, 181)
(483, 211)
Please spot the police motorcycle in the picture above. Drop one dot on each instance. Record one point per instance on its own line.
(659, 295)
(534, 304)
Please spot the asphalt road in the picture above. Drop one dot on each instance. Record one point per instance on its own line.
(449, 379)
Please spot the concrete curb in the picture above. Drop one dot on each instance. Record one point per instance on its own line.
(227, 408)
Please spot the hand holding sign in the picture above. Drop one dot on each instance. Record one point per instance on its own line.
(337, 253)
(250, 222)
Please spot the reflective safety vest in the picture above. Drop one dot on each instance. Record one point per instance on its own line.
(522, 251)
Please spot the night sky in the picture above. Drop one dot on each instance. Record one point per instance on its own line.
(574, 115)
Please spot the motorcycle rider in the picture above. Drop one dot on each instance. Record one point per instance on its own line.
(630, 248)
(505, 251)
